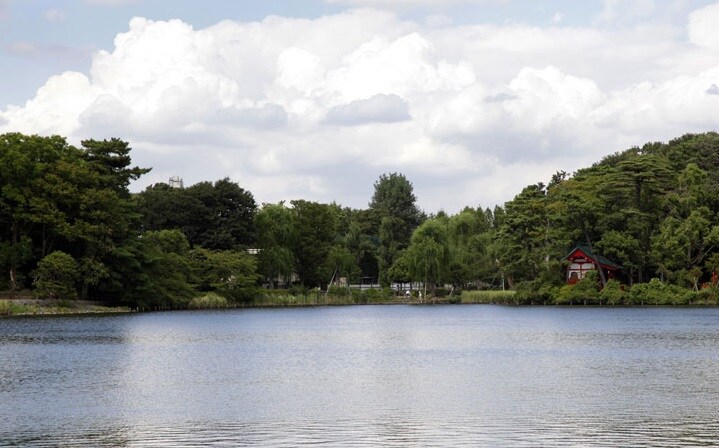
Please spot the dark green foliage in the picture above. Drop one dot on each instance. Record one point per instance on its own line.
(361, 242)
(226, 219)
(586, 292)
(165, 279)
(522, 239)
(656, 292)
(55, 277)
(393, 204)
(230, 274)
(57, 197)
(316, 227)
(613, 294)
(534, 292)
(217, 216)
(164, 207)
(110, 159)
(653, 210)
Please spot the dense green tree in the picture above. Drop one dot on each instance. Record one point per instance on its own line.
(25, 161)
(315, 234)
(164, 207)
(393, 204)
(227, 219)
(110, 159)
(522, 240)
(165, 280)
(104, 214)
(218, 216)
(362, 241)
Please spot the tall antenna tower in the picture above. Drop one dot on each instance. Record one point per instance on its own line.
(176, 182)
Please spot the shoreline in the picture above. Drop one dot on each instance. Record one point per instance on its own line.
(35, 307)
(41, 308)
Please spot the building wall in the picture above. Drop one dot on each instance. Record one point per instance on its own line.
(578, 271)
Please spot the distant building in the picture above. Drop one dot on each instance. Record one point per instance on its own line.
(582, 260)
(176, 182)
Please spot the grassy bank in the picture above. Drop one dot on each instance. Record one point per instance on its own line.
(488, 297)
(335, 296)
(22, 307)
(269, 298)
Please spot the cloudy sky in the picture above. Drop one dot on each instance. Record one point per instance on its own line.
(314, 99)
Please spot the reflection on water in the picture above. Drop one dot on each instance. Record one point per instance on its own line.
(555, 432)
(362, 376)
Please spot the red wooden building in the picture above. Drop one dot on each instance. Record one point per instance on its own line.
(582, 260)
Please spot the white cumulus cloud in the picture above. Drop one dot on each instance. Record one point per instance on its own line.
(318, 109)
(703, 26)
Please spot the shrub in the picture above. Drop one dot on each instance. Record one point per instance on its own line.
(658, 293)
(706, 296)
(564, 295)
(535, 291)
(612, 294)
(55, 277)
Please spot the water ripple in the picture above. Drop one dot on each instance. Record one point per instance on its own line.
(389, 432)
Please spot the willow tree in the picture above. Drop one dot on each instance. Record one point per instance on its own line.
(275, 239)
(429, 253)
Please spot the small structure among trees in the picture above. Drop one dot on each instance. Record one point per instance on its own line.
(582, 260)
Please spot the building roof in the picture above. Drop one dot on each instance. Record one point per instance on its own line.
(605, 262)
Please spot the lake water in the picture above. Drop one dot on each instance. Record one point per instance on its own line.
(364, 376)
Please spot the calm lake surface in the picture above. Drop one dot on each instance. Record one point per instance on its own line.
(364, 376)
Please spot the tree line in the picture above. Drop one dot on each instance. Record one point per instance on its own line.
(69, 227)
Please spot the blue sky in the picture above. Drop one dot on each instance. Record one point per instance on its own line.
(472, 99)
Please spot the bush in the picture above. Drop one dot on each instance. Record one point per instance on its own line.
(706, 296)
(535, 291)
(585, 292)
(55, 277)
(564, 295)
(613, 294)
(658, 293)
